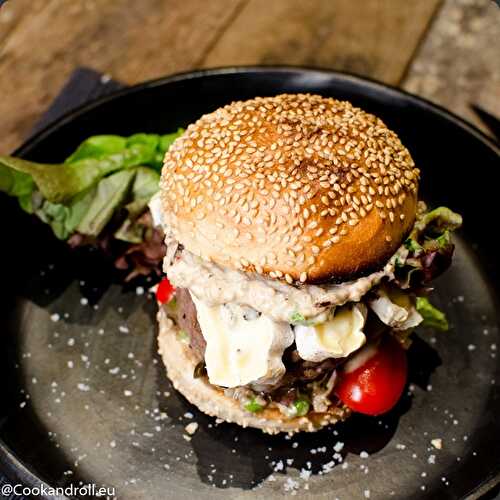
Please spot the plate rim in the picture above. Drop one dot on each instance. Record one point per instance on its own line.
(378, 86)
(20, 471)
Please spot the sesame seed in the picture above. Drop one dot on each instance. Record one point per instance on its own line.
(325, 168)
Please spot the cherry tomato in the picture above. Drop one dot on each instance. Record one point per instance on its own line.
(165, 291)
(376, 386)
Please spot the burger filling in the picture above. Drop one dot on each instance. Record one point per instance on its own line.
(266, 343)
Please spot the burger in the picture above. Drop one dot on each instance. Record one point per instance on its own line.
(299, 260)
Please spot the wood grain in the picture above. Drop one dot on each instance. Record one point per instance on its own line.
(458, 64)
(372, 38)
(10, 14)
(138, 40)
(131, 40)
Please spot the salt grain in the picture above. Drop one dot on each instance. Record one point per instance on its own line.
(191, 428)
(437, 443)
(338, 446)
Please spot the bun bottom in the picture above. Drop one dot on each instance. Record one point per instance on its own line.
(211, 400)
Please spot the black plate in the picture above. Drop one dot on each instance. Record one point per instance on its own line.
(79, 423)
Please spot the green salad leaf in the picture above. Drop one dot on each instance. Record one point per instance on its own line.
(59, 183)
(145, 185)
(433, 317)
(97, 147)
(435, 223)
(64, 219)
(105, 174)
(108, 197)
(19, 185)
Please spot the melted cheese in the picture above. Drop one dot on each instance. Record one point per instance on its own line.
(337, 337)
(243, 346)
(395, 308)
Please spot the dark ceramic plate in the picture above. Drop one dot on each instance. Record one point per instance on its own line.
(85, 398)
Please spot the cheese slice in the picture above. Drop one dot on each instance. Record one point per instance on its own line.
(243, 346)
(337, 337)
(395, 308)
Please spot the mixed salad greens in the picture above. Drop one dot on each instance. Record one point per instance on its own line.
(429, 246)
(98, 195)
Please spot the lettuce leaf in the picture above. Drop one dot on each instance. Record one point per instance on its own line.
(433, 317)
(59, 183)
(95, 158)
(98, 195)
(19, 185)
(108, 198)
(144, 187)
(435, 223)
(98, 147)
(64, 219)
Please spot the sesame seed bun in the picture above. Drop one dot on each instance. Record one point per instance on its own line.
(180, 365)
(295, 187)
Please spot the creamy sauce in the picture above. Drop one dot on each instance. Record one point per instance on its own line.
(216, 285)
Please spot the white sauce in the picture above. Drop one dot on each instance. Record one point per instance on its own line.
(216, 285)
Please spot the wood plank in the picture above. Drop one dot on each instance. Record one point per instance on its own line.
(375, 38)
(131, 40)
(10, 15)
(135, 41)
(458, 64)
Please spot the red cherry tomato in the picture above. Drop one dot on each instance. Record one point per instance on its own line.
(376, 386)
(165, 291)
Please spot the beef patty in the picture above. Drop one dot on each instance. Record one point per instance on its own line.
(297, 369)
(188, 322)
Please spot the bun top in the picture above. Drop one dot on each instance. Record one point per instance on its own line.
(296, 187)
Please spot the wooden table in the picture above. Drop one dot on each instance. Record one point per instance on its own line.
(446, 51)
